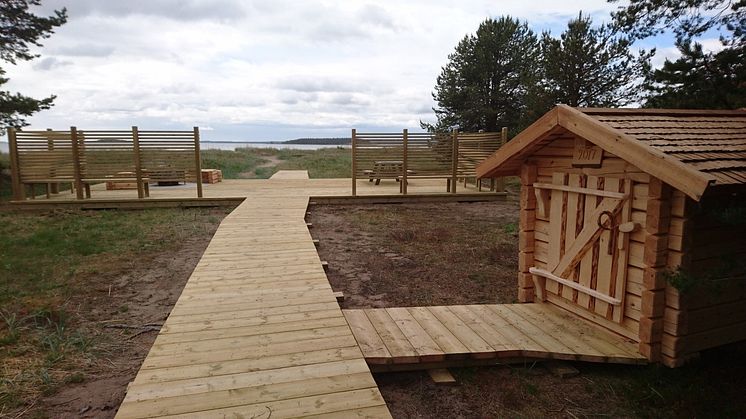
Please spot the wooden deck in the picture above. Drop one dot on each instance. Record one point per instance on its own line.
(282, 180)
(257, 331)
(431, 335)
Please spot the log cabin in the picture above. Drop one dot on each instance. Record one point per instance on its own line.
(635, 219)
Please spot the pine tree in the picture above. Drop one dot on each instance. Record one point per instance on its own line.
(697, 79)
(590, 66)
(700, 80)
(485, 84)
(687, 19)
(21, 30)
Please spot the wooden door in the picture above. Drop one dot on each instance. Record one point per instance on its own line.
(589, 222)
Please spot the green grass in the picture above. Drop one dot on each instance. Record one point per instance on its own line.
(5, 189)
(42, 254)
(49, 264)
(232, 163)
(244, 163)
(322, 163)
(250, 162)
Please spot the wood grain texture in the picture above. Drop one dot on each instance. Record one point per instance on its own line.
(257, 326)
(496, 331)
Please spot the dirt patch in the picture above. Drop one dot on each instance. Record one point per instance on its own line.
(119, 307)
(415, 255)
(142, 295)
(420, 254)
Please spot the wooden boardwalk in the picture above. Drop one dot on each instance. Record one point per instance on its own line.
(429, 335)
(257, 331)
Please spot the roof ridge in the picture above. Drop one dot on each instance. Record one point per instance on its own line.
(662, 112)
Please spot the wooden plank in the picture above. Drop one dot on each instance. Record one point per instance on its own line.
(585, 290)
(606, 255)
(224, 399)
(446, 341)
(441, 376)
(572, 229)
(353, 162)
(504, 346)
(475, 344)
(621, 263)
(580, 190)
(324, 404)
(427, 349)
(552, 346)
(370, 342)
(556, 223)
(397, 344)
(74, 139)
(251, 362)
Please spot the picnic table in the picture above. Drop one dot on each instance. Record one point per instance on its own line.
(386, 169)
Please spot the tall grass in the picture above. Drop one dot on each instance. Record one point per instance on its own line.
(233, 163)
(50, 263)
(5, 188)
(322, 163)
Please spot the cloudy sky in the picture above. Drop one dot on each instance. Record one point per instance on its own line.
(261, 70)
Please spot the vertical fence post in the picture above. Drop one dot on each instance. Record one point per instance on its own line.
(353, 140)
(405, 164)
(76, 162)
(454, 158)
(15, 168)
(198, 162)
(500, 184)
(138, 162)
(51, 187)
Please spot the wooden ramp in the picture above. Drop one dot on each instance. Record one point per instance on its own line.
(257, 332)
(290, 174)
(431, 335)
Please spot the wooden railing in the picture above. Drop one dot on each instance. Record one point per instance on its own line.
(404, 155)
(83, 157)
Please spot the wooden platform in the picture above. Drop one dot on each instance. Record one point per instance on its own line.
(290, 174)
(285, 180)
(257, 331)
(430, 335)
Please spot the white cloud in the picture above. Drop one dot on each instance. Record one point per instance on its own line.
(259, 69)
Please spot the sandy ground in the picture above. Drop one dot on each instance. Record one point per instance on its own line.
(399, 255)
(410, 255)
(136, 295)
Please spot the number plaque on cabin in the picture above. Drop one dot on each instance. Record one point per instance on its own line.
(586, 154)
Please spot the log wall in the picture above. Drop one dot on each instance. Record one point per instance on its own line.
(711, 253)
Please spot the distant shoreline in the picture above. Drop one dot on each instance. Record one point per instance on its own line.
(304, 141)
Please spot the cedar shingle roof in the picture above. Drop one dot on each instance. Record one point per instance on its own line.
(692, 150)
(710, 141)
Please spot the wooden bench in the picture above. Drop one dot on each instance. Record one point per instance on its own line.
(51, 185)
(448, 179)
(166, 176)
(88, 181)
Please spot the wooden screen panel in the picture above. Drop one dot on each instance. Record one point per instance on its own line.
(44, 155)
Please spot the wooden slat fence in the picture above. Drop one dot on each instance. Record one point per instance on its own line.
(404, 155)
(83, 157)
